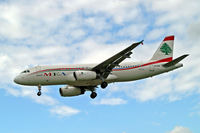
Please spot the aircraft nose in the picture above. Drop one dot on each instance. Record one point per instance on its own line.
(17, 80)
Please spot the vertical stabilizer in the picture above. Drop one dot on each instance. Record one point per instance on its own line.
(165, 50)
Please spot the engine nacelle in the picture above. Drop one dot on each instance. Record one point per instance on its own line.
(68, 91)
(84, 75)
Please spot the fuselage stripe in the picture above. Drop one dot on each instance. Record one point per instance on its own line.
(150, 63)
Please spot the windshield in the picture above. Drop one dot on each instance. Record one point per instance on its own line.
(26, 71)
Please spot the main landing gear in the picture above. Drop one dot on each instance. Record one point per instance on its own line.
(39, 90)
(94, 94)
(104, 85)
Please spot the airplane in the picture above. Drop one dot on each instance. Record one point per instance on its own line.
(87, 77)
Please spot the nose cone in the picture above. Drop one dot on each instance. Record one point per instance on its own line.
(17, 80)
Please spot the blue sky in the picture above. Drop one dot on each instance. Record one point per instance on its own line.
(67, 32)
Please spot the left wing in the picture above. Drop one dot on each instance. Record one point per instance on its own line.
(103, 69)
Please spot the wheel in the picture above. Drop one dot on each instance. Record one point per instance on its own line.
(39, 90)
(104, 85)
(39, 93)
(93, 95)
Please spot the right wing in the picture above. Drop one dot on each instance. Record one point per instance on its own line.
(103, 69)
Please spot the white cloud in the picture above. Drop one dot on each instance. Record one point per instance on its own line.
(97, 23)
(194, 30)
(174, 20)
(170, 14)
(91, 51)
(156, 33)
(151, 89)
(133, 30)
(30, 92)
(180, 129)
(36, 20)
(45, 99)
(56, 107)
(119, 11)
(17, 58)
(110, 101)
(10, 22)
(63, 111)
(13, 92)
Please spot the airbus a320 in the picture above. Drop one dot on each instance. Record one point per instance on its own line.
(87, 77)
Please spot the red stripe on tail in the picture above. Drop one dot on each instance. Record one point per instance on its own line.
(165, 60)
(169, 38)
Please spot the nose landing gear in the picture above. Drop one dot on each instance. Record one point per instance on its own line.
(39, 93)
(93, 95)
(39, 90)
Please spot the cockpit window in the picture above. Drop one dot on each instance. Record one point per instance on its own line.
(26, 71)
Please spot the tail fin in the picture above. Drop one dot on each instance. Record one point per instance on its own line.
(165, 50)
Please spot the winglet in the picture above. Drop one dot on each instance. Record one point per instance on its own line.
(175, 61)
(141, 42)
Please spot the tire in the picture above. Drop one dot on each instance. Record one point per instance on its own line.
(93, 95)
(104, 85)
(39, 93)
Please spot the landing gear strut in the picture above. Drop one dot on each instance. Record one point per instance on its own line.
(104, 85)
(93, 95)
(39, 90)
(82, 90)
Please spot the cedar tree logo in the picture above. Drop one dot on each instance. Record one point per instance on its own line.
(165, 49)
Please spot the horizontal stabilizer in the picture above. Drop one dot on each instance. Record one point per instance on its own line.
(175, 61)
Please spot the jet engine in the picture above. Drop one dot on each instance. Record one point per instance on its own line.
(68, 91)
(84, 75)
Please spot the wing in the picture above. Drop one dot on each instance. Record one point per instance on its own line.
(103, 69)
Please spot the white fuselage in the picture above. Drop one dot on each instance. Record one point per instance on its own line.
(81, 78)
(63, 74)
